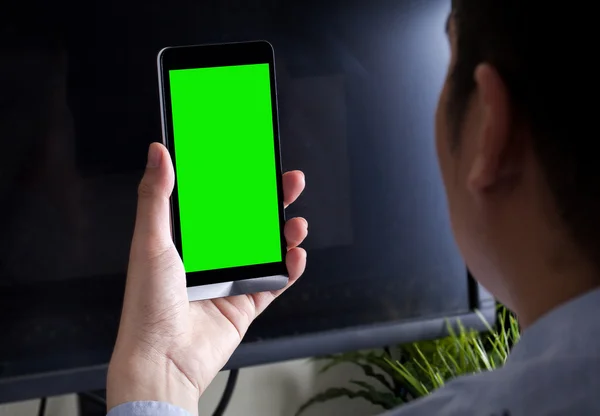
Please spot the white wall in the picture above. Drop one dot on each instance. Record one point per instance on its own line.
(56, 406)
(272, 390)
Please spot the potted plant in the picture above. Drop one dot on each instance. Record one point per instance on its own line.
(414, 370)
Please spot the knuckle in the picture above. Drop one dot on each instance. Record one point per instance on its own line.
(146, 189)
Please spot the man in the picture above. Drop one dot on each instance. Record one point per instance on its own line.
(521, 178)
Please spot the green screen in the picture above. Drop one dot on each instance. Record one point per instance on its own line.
(225, 166)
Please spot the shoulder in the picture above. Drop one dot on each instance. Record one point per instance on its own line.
(461, 397)
(566, 385)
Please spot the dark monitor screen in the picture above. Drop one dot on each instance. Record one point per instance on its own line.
(358, 85)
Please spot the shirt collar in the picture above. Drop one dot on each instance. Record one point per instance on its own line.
(572, 328)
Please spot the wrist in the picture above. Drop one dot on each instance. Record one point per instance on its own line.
(132, 378)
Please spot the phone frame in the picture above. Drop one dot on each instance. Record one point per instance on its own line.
(236, 280)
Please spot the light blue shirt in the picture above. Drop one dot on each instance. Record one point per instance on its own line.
(147, 409)
(553, 370)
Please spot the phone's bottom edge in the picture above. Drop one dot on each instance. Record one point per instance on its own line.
(237, 287)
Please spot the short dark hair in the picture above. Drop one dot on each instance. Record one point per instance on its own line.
(543, 51)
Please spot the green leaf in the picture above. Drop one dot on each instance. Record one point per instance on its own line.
(368, 362)
(418, 389)
(370, 372)
(385, 399)
(336, 393)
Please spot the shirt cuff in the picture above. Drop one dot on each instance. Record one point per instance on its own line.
(147, 409)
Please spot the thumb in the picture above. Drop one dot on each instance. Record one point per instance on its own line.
(153, 222)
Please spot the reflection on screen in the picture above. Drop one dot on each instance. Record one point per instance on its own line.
(313, 123)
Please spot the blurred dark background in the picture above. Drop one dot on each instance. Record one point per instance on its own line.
(358, 86)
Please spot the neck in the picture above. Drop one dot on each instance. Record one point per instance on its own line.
(543, 268)
(535, 294)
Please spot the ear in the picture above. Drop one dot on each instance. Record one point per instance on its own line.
(491, 164)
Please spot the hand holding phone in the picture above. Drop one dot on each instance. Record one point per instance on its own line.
(169, 349)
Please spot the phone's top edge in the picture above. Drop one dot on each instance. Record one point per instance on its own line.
(216, 44)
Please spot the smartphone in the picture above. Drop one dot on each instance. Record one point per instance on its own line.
(219, 121)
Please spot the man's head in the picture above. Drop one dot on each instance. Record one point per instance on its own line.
(515, 141)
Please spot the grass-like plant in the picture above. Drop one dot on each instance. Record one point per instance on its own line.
(415, 370)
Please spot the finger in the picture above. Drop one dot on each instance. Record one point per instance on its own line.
(296, 230)
(293, 185)
(153, 223)
(296, 263)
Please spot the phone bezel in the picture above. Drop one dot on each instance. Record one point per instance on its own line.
(244, 279)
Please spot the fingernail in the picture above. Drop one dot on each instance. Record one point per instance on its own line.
(154, 155)
(305, 223)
